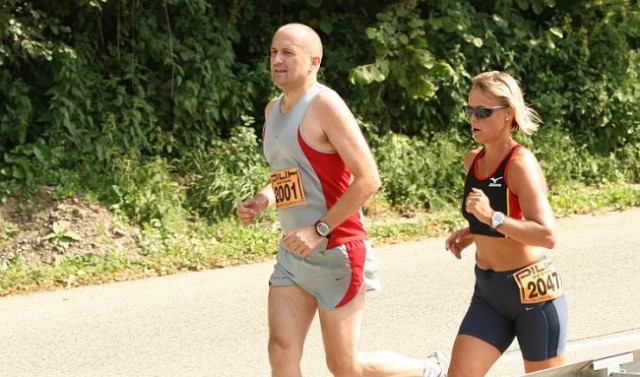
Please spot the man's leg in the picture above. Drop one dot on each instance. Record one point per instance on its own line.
(341, 329)
(291, 311)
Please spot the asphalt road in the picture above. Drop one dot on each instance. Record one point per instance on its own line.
(213, 323)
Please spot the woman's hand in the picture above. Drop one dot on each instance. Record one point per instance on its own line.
(457, 241)
(477, 204)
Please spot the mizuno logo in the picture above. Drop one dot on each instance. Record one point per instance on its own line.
(494, 182)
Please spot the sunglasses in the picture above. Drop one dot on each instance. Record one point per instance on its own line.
(482, 112)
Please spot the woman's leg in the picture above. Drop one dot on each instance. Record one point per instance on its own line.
(472, 357)
(533, 366)
(542, 334)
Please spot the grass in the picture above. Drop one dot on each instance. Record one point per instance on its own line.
(205, 246)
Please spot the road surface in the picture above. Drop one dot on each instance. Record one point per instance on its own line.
(213, 323)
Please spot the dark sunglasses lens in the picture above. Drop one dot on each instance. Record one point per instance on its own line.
(483, 112)
(480, 112)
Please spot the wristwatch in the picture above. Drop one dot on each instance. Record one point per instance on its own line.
(497, 219)
(322, 228)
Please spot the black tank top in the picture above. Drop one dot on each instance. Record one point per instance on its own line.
(496, 189)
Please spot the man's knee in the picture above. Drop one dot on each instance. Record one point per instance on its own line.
(341, 367)
(282, 352)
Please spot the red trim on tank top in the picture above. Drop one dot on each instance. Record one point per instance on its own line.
(333, 186)
(513, 202)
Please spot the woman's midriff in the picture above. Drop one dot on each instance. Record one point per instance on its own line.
(504, 254)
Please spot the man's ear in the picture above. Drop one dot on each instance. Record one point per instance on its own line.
(315, 62)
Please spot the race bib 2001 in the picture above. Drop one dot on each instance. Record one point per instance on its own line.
(539, 282)
(287, 187)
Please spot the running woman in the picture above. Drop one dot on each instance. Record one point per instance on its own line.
(518, 290)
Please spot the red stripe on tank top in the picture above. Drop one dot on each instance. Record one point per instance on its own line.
(513, 202)
(334, 178)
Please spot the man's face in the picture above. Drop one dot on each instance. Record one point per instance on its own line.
(290, 62)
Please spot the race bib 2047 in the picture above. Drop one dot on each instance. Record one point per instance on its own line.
(539, 282)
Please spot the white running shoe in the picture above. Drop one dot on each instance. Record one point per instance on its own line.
(437, 364)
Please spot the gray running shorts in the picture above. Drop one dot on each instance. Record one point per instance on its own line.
(497, 316)
(334, 276)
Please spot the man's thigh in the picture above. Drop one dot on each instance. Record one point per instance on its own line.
(341, 329)
(291, 311)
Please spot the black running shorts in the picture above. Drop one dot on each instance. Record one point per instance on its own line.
(497, 316)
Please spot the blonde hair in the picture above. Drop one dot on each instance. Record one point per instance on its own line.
(507, 89)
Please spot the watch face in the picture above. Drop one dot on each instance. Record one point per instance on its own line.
(322, 228)
(497, 219)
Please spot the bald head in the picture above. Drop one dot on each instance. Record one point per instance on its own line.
(306, 38)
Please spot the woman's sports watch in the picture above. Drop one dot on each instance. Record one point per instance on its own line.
(497, 219)
(323, 229)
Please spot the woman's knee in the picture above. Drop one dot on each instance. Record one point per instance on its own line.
(472, 357)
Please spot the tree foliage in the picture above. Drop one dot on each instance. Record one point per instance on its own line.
(91, 85)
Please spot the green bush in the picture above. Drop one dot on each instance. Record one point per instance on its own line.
(419, 174)
(147, 193)
(148, 98)
(224, 174)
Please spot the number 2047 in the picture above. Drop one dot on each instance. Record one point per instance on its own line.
(541, 286)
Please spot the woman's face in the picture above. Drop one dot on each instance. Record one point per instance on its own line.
(490, 118)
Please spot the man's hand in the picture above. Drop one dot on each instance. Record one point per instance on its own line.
(302, 240)
(250, 209)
